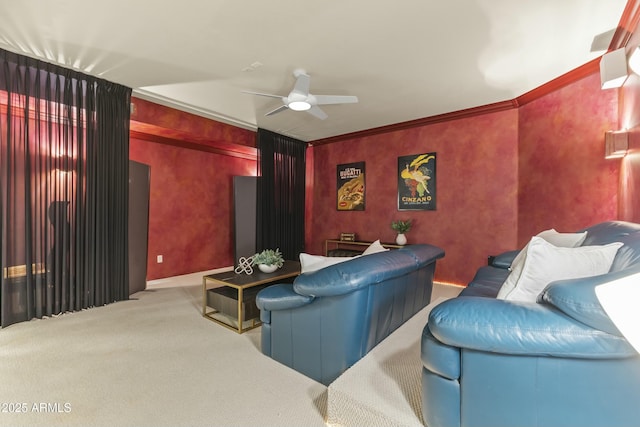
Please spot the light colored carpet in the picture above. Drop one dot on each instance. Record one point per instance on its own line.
(151, 361)
(383, 389)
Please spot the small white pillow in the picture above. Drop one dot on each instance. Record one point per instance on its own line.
(545, 263)
(375, 247)
(310, 263)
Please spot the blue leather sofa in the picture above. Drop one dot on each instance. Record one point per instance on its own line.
(328, 319)
(556, 362)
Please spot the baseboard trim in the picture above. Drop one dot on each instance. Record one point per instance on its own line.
(435, 282)
(185, 279)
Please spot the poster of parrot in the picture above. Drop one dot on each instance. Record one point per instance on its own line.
(417, 182)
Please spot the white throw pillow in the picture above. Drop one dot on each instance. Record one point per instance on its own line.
(309, 263)
(565, 240)
(545, 263)
(375, 247)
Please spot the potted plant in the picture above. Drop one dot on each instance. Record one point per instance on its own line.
(268, 260)
(401, 227)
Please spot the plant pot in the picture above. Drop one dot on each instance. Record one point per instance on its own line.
(401, 239)
(267, 268)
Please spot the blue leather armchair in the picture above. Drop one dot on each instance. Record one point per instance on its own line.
(558, 362)
(328, 319)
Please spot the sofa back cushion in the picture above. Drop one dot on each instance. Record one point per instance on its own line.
(609, 232)
(363, 271)
(617, 231)
(629, 254)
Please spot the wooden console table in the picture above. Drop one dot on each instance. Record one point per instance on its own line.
(232, 306)
(345, 244)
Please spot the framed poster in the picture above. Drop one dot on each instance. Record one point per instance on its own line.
(417, 182)
(351, 186)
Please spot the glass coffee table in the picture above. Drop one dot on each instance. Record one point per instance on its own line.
(229, 298)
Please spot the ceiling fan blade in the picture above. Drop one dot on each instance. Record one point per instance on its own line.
(302, 84)
(263, 94)
(317, 111)
(335, 99)
(277, 110)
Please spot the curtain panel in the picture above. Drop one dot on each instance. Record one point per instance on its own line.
(64, 149)
(281, 193)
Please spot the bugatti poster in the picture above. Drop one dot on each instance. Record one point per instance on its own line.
(417, 182)
(351, 187)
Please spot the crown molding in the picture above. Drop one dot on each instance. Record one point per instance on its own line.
(628, 24)
(566, 79)
(455, 115)
(174, 138)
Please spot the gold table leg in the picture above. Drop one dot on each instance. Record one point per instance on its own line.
(240, 310)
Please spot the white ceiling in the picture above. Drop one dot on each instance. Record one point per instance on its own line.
(404, 60)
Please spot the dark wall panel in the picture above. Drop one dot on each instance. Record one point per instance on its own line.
(139, 181)
(244, 201)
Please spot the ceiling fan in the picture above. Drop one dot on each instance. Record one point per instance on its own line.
(299, 99)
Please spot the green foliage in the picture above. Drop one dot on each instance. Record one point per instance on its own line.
(401, 226)
(269, 257)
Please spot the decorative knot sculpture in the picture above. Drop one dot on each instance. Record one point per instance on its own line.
(245, 265)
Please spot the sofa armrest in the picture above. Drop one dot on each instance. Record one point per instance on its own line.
(504, 260)
(439, 358)
(281, 297)
(577, 298)
(518, 328)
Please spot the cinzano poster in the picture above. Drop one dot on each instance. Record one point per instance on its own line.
(417, 182)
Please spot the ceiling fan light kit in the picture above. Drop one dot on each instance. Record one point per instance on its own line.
(299, 99)
(299, 105)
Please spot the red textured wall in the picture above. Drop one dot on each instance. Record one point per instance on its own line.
(565, 181)
(170, 120)
(476, 175)
(190, 206)
(501, 178)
